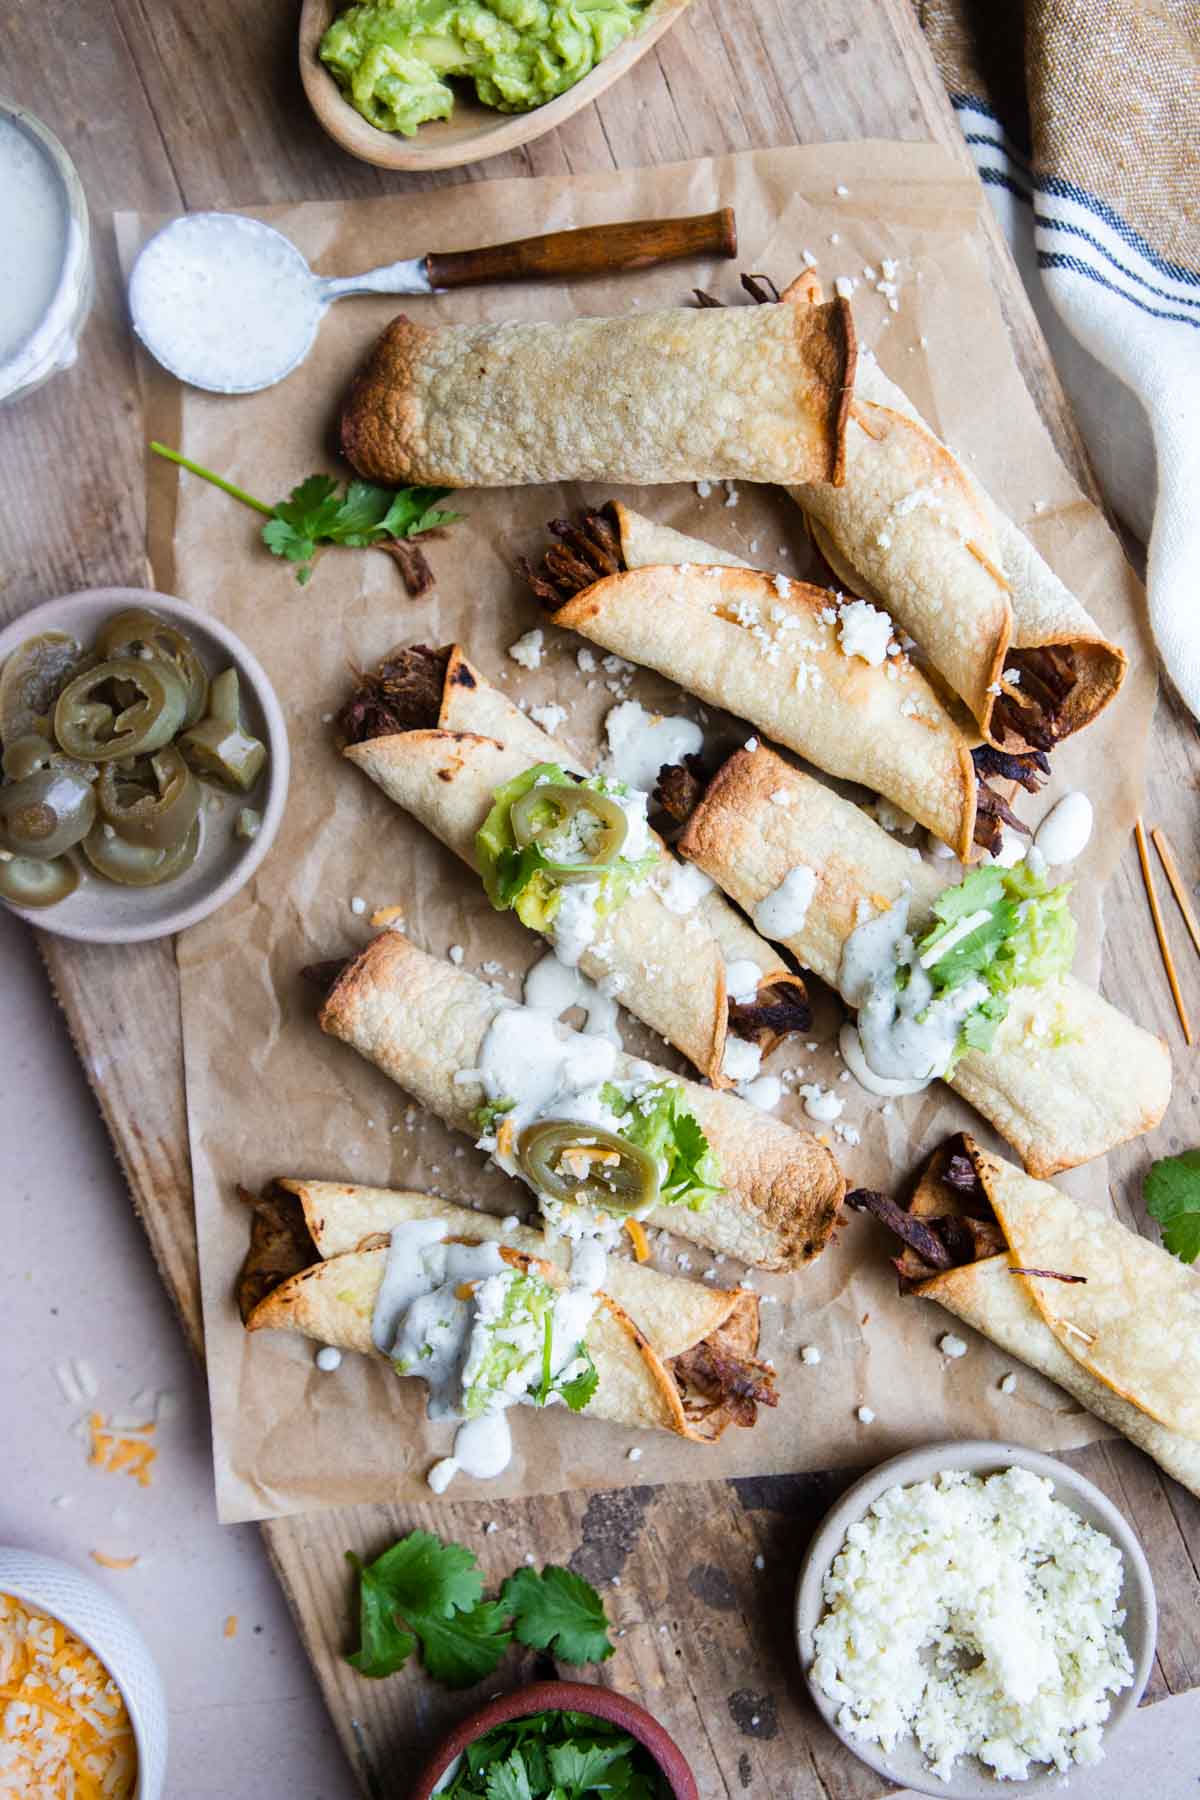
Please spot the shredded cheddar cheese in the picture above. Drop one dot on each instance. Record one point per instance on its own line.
(231, 1625)
(641, 1245)
(388, 915)
(504, 1137)
(113, 1562)
(64, 1730)
(122, 1452)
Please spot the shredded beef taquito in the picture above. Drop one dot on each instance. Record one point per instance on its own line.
(612, 541)
(444, 743)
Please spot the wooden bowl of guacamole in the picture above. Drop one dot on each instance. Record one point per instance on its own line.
(398, 83)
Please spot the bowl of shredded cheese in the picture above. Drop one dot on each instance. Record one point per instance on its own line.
(975, 1614)
(83, 1711)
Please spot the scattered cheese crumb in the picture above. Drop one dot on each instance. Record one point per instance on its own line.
(528, 649)
(549, 717)
(113, 1562)
(950, 1344)
(865, 1415)
(1008, 1383)
(328, 1358)
(760, 1562)
(810, 1355)
(388, 915)
(634, 1455)
(357, 904)
(456, 954)
(231, 1625)
(842, 191)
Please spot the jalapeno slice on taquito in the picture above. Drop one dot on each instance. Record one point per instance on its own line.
(446, 745)
(1061, 1074)
(731, 1177)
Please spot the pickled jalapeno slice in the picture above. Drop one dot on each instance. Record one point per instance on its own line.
(123, 707)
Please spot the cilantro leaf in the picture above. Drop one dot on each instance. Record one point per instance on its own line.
(559, 1608)
(581, 1766)
(424, 1590)
(462, 1650)
(579, 1390)
(1172, 1192)
(694, 1176)
(508, 1780)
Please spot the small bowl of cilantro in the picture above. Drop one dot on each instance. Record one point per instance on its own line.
(557, 1740)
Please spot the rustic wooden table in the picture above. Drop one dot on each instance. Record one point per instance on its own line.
(171, 107)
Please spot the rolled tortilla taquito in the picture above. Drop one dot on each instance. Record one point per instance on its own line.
(792, 659)
(673, 1354)
(424, 1023)
(1068, 1076)
(910, 525)
(439, 740)
(1123, 1336)
(649, 397)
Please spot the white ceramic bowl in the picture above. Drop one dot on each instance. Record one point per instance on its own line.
(971, 1779)
(88, 1610)
(103, 912)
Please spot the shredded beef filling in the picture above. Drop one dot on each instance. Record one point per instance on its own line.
(723, 1379)
(1039, 712)
(584, 554)
(412, 563)
(679, 787)
(403, 693)
(775, 1013)
(280, 1246)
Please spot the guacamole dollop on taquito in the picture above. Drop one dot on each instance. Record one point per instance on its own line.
(392, 58)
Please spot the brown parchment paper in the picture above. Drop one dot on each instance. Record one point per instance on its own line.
(268, 1094)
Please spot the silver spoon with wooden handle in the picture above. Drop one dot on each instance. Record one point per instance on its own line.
(229, 304)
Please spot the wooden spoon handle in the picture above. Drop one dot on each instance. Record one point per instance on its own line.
(594, 250)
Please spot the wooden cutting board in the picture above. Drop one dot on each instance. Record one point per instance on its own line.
(166, 108)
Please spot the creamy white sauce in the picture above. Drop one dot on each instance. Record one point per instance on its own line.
(1065, 831)
(45, 263)
(224, 302)
(864, 1074)
(1012, 848)
(782, 913)
(905, 1033)
(821, 1104)
(588, 1264)
(546, 1069)
(483, 1446)
(33, 228)
(742, 978)
(328, 1358)
(683, 887)
(640, 743)
(556, 987)
(741, 1059)
(765, 1093)
(404, 1277)
(575, 921)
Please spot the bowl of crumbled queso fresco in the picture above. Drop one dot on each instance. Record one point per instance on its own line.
(977, 1613)
(84, 1709)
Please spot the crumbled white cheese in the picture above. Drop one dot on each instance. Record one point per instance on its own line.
(821, 1103)
(950, 1344)
(585, 661)
(982, 1615)
(456, 954)
(634, 1455)
(358, 905)
(549, 717)
(442, 1474)
(810, 1355)
(528, 649)
(704, 489)
(765, 1092)
(328, 1358)
(844, 286)
(781, 797)
(842, 191)
(865, 1415)
(683, 887)
(863, 630)
(1008, 1383)
(731, 494)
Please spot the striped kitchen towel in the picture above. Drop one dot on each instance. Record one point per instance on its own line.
(1084, 119)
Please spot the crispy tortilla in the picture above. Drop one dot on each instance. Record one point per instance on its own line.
(1145, 1312)
(767, 649)
(911, 526)
(681, 395)
(667, 969)
(423, 1022)
(333, 1301)
(1068, 1077)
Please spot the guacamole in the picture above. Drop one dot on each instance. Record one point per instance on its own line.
(392, 57)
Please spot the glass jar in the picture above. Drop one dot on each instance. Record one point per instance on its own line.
(47, 292)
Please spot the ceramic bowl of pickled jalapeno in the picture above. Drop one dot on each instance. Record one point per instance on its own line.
(143, 765)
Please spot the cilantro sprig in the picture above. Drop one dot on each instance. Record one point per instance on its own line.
(556, 1756)
(580, 1388)
(1172, 1194)
(424, 1594)
(315, 513)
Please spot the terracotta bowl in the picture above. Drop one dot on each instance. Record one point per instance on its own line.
(562, 1696)
(473, 131)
